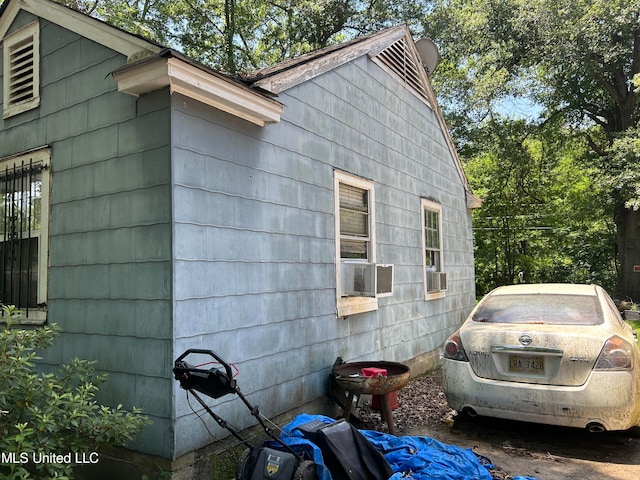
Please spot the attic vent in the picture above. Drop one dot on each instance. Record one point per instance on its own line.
(21, 72)
(404, 63)
(21, 64)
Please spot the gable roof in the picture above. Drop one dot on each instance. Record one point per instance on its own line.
(151, 66)
(393, 49)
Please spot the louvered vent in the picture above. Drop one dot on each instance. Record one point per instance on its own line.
(400, 59)
(21, 71)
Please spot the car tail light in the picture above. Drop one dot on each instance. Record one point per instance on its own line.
(615, 355)
(453, 348)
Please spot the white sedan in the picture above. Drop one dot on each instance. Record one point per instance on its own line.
(557, 354)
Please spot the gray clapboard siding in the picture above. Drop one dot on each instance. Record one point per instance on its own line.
(110, 270)
(268, 197)
(175, 226)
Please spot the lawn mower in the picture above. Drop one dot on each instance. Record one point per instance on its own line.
(319, 450)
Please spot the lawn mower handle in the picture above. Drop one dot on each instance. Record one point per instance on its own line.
(213, 382)
(211, 353)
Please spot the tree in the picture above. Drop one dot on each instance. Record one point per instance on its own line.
(237, 36)
(575, 59)
(541, 220)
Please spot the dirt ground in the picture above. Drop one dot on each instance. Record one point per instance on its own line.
(546, 453)
(514, 448)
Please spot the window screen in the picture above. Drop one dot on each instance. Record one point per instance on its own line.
(354, 222)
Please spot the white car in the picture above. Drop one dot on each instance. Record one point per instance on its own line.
(558, 354)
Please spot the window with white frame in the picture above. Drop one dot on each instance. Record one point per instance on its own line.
(435, 278)
(355, 244)
(21, 67)
(24, 226)
(355, 229)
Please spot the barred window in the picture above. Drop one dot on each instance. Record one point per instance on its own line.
(23, 233)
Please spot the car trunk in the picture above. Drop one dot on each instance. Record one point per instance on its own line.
(539, 354)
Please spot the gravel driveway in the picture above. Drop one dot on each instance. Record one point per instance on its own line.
(515, 448)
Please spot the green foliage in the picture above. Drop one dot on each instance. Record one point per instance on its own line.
(52, 413)
(238, 36)
(635, 324)
(543, 219)
(577, 63)
(225, 464)
(575, 58)
(624, 165)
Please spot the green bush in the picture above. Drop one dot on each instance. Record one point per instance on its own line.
(51, 422)
(635, 324)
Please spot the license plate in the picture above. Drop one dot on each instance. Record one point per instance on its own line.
(520, 364)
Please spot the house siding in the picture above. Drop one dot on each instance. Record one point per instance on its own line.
(174, 225)
(253, 266)
(110, 222)
(254, 240)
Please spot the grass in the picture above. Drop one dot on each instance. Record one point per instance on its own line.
(635, 324)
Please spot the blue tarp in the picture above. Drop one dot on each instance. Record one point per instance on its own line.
(410, 457)
(424, 457)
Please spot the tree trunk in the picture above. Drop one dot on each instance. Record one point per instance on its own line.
(628, 242)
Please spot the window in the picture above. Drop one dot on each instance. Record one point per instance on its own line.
(24, 218)
(355, 238)
(435, 279)
(21, 66)
(355, 244)
(541, 308)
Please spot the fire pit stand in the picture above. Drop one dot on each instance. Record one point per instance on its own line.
(348, 376)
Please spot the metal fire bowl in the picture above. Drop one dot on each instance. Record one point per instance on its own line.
(348, 376)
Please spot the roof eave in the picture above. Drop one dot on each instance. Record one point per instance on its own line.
(131, 46)
(193, 82)
(473, 201)
(289, 74)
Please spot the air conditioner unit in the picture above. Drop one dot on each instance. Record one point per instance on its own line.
(366, 279)
(384, 280)
(436, 281)
(443, 281)
(357, 279)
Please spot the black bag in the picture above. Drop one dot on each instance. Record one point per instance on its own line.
(346, 452)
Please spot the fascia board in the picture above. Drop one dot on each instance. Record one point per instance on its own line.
(472, 200)
(289, 78)
(82, 24)
(153, 75)
(8, 15)
(204, 87)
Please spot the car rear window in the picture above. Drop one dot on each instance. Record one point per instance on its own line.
(540, 308)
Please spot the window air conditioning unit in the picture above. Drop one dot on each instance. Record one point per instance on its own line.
(365, 279)
(436, 281)
(357, 279)
(384, 280)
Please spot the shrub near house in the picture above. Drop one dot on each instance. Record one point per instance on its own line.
(49, 423)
